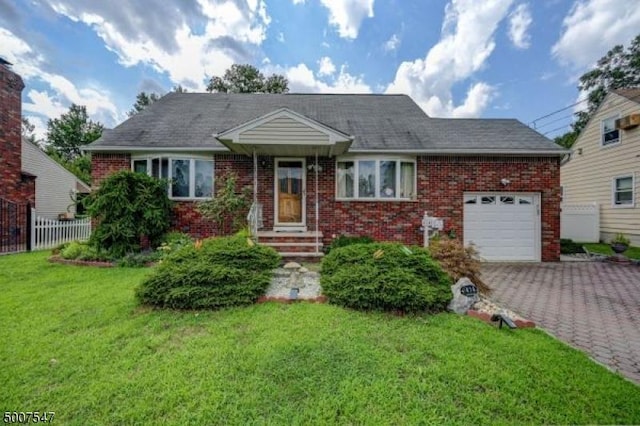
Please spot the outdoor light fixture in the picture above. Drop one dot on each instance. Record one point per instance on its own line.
(505, 181)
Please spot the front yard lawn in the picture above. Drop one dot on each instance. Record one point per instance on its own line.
(74, 342)
(631, 253)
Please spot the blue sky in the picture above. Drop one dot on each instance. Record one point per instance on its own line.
(456, 58)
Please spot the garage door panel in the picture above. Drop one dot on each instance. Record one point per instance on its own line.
(503, 231)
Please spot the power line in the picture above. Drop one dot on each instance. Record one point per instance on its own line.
(554, 121)
(556, 129)
(557, 111)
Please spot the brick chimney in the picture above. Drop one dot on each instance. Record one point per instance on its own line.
(15, 185)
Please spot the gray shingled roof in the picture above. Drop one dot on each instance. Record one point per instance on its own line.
(376, 122)
(631, 93)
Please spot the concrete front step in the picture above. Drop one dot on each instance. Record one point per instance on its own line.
(301, 257)
(300, 244)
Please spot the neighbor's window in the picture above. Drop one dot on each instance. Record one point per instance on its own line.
(610, 135)
(623, 191)
(189, 178)
(376, 179)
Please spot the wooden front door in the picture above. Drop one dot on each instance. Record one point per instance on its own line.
(290, 192)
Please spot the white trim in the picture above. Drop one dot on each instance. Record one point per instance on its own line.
(614, 190)
(463, 152)
(233, 134)
(613, 117)
(132, 148)
(377, 159)
(298, 226)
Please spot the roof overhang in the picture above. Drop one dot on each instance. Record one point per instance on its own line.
(469, 152)
(133, 148)
(333, 143)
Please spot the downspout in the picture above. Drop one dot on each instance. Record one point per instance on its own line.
(315, 168)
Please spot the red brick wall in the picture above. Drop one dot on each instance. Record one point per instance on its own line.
(441, 183)
(14, 186)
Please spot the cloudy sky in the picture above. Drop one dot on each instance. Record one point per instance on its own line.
(455, 58)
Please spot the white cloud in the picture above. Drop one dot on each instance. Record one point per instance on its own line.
(326, 66)
(228, 27)
(303, 80)
(519, 22)
(392, 44)
(466, 43)
(347, 15)
(59, 92)
(298, 1)
(593, 27)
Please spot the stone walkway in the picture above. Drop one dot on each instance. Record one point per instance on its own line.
(594, 306)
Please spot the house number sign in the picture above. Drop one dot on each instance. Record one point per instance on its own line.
(468, 290)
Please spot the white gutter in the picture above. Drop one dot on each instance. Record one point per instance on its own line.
(457, 151)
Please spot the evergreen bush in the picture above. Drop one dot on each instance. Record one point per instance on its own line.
(385, 276)
(213, 273)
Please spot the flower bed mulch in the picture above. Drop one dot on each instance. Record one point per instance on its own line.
(95, 263)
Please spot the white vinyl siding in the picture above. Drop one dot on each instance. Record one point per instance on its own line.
(588, 176)
(54, 183)
(283, 130)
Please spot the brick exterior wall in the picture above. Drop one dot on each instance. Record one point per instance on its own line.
(15, 186)
(441, 183)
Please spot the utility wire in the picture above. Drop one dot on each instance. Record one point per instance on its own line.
(557, 111)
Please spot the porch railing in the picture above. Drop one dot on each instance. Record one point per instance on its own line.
(254, 218)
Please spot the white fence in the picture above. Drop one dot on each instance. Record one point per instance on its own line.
(580, 222)
(48, 233)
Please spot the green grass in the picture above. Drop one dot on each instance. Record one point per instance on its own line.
(632, 252)
(74, 342)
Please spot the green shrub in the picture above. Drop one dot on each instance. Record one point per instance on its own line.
(138, 260)
(458, 261)
(173, 241)
(217, 273)
(80, 251)
(128, 206)
(385, 276)
(346, 240)
(567, 246)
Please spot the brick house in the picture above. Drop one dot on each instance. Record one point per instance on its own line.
(325, 165)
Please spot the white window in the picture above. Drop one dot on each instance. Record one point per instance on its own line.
(189, 178)
(610, 135)
(623, 193)
(376, 178)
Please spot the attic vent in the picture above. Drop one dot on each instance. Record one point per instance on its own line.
(628, 122)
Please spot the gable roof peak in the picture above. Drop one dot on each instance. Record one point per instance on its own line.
(631, 93)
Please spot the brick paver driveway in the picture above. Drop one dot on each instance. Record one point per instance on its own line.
(594, 306)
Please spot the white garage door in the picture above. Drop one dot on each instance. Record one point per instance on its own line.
(503, 226)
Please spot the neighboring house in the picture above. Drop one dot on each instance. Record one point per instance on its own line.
(325, 165)
(604, 166)
(55, 185)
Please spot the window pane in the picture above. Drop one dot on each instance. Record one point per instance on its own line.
(609, 132)
(407, 180)
(387, 179)
(506, 199)
(624, 184)
(488, 200)
(345, 179)
(180, 175)
(525, 200)
(366, 179)
(204, 178)
(470, 199)
(140, 166)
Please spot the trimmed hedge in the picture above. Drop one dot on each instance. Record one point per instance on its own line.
(210, 274)
(385, 276)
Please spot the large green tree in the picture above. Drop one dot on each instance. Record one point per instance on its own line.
(74, 129)
(619, 68)
(247, 79)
